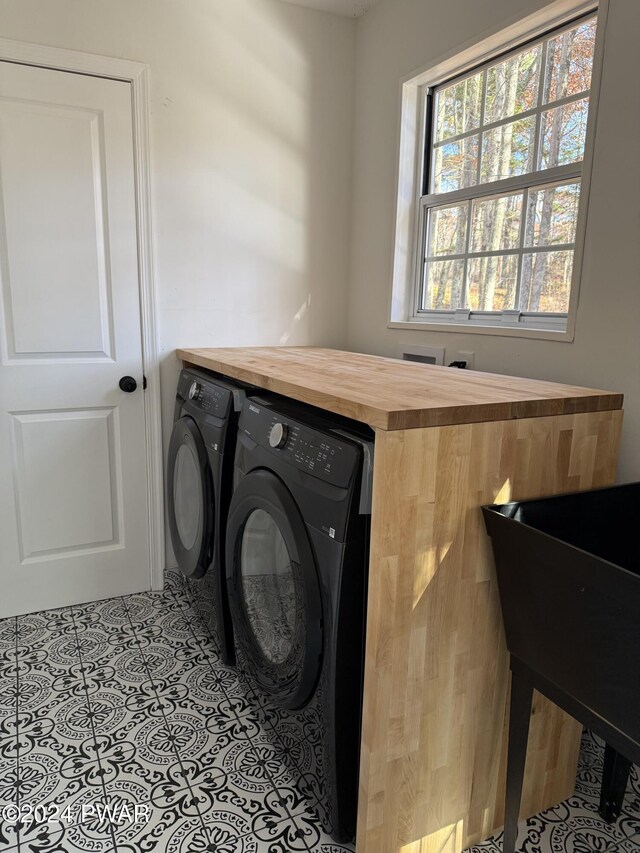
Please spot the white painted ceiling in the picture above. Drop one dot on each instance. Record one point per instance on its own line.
(347, 8)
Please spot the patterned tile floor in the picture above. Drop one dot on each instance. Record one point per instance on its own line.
(120, 730)
(574, 826)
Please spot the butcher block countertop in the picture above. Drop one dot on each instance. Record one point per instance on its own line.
(391, 394)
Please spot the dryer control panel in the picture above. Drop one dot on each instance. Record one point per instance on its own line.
(208, 397)
(318, 452)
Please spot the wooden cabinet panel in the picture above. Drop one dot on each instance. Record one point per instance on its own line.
(436, 673)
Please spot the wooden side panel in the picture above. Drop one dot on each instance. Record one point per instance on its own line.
(436, 672)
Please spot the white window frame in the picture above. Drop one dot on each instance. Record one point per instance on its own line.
(409, 231)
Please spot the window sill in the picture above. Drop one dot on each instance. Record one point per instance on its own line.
(565, 335)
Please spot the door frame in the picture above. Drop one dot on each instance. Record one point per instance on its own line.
(137, 75)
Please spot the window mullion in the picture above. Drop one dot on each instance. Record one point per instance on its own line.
(568, 99)
(521, 239)
(467, 243)
(483, 101)
(423, 257)
(541, 84)
(499, 253)
(555, 175)
(438, 143)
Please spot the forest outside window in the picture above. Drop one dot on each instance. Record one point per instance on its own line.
(501, 185)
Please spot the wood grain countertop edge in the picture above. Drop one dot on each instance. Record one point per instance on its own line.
(403, 418)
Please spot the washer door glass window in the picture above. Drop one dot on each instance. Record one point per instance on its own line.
(187, 496)
(269, 586)
(190, 499)
(274, 589)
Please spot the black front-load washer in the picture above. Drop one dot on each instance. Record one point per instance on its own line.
(297, 557)
(199, 486)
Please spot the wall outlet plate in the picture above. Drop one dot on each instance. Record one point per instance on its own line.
(463, 355)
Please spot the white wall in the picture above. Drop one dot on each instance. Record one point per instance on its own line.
(251, 122)
(399, 36)
(251, 133)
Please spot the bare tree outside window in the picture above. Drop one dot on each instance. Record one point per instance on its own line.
(506, 146)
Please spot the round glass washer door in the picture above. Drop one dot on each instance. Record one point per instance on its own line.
(270, 596)
(187, 496)
(190, 502)
(274, 589)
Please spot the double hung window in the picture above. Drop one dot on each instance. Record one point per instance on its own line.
(503, 157)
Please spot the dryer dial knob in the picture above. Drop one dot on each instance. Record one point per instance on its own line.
(278, 435)
(195, 391)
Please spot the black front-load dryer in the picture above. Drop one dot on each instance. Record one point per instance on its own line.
(199, 486)
(297, 557)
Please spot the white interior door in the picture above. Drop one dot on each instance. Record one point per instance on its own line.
(73, 488)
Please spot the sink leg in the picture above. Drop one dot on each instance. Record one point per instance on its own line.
(614, 784)
(519, 716)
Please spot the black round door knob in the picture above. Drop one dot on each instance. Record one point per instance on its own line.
(128, 384)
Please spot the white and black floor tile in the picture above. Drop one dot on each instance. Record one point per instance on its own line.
(122, 731)
(574, 826)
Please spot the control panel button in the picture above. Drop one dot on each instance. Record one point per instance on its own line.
(278, 435)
